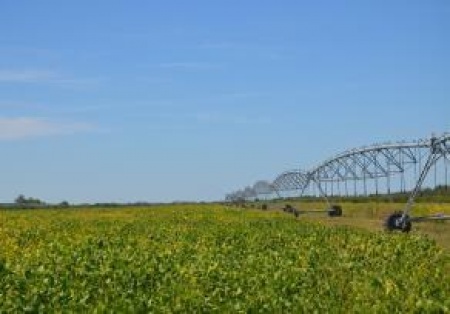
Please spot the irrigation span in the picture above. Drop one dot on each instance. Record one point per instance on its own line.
(384, 168)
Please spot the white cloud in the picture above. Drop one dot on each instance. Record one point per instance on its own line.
(222, 45)
(186, 121)
(251, 120)
(14, 51)
(26, 127)
(189, 65)
(78, 83)
(44, 110)
(47, 77)
(26, 76)
(220, 118)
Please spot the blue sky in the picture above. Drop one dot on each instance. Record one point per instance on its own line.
(189, 100)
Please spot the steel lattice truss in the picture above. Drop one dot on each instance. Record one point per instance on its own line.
(361, 164)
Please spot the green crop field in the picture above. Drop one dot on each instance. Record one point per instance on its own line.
(208, 258)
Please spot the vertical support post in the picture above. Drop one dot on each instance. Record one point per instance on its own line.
(389, 185)
(446, 173)
(365, 185)
(322, 193)
(277, 192)
(388, 178)
(364, 168)
(435, 176)
(415, 164)
(376, 184)
(431, 161)
(402, 177)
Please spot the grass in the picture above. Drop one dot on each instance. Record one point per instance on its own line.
(371, 216)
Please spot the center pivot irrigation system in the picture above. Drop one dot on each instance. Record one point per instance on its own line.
(382, 168)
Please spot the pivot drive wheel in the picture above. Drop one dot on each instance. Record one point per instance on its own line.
(335, 211)
(397, 222)
(288, 208)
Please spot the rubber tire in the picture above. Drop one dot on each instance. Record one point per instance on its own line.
(392, 223)
(335, 211)
(288, 208)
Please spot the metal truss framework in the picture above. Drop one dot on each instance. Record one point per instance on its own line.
(368, 163)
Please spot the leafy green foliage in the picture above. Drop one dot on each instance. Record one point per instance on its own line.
(211, 259)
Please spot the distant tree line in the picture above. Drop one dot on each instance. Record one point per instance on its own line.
(21, 200)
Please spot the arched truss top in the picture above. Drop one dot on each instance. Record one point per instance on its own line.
(367, 162)
(379, 160)
(263, 187)
(291, 180)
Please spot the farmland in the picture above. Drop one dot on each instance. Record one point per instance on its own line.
(209, 258)
(370, 215)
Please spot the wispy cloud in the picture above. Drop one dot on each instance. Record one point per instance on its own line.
(31, 108)
(26, 76)
(214, 118)
(27, 51)
(46, 77)
(265, 52)
(77, 83)
(247, 120)
(222, 45)
(238, 95)
(28, 127)
(217, 118)
(189, 65)
(14, 105)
